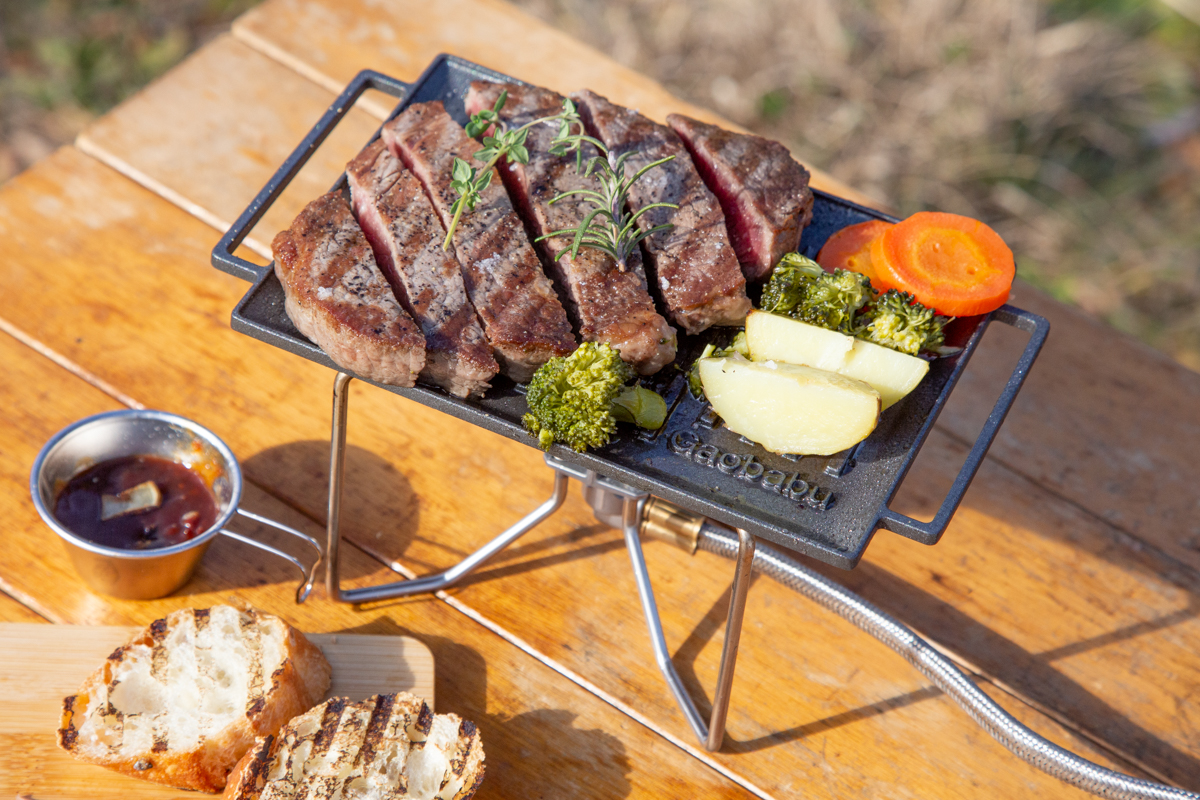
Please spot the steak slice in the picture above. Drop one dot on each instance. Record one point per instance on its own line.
(609, 305)
(695, 266)
(522, 317)
(338, 298)
(406, 236)
(763, 191)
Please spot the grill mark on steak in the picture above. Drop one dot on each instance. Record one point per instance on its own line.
(696, 269)
(763, 191)
(406, 236)
(609, 305)
(522, 317)
(338, 298)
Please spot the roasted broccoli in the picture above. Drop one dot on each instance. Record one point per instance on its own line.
(800, 289)
(897, 321)
(738, 345)
(578, 399)
(845, 301)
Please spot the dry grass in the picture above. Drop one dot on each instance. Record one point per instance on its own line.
(62, 62)
(1071, 126)
(1071, 129)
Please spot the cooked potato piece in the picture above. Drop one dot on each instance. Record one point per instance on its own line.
(788, 408)
(775, 338)
(891, 373)
(772, 337)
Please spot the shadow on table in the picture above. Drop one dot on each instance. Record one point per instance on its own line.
(1031, 674)
(583, 542)
(538, 753)
(379, 506)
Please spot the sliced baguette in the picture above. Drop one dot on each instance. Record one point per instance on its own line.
(187, 697)
(387, 747)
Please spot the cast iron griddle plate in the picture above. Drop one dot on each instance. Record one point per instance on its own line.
(826, 507)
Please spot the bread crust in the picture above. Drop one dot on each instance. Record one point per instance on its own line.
(387, 747)
(95, 724)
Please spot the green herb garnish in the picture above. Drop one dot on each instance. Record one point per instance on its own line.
(609, 227)
(470, 182)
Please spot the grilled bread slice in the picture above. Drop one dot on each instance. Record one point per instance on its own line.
(387, 747)
(187, 697)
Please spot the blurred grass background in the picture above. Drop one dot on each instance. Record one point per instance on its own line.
(1072, 126)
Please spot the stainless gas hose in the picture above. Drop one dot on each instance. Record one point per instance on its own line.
(664, 521)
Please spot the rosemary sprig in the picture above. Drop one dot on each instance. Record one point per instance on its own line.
(609, 226)
(470, 182)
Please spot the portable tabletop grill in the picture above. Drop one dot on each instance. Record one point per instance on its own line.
(690, 475)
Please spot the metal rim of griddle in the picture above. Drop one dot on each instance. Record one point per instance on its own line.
(605, 481)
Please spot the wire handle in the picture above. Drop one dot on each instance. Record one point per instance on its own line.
(929, 532)
(222, 255)
(309, 573)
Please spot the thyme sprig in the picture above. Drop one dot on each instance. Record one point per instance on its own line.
(609, 226)
(469, 182)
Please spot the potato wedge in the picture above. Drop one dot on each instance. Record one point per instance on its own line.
(775, 338)
(788, 408)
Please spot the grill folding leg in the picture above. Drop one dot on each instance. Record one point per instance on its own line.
(602, 491)
(429, 583)
(712, 734)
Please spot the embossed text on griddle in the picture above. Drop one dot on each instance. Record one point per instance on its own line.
(687, 444)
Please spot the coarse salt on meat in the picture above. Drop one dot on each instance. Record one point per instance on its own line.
(697, 271)
(763, 191)
(522, 317)
(336, 295)
(610, 305)
(406, 236)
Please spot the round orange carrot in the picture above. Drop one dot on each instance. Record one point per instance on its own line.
(850, 249)
(956, 265)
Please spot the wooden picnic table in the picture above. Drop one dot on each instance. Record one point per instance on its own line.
(1067, 584)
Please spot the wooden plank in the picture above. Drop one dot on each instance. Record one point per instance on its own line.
(542, 733)
(13, 611)
(1103, 421)
(41, 664)
(1131, 739)
(331, 41)
(275, 111)
(394, 481)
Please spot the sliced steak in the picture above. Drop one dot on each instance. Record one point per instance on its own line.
(406, 236)
(522, 317)
(609, 305)
(763, 191)
(696, 269)
(338, 298)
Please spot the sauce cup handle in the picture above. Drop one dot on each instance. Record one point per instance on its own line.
(309, 573)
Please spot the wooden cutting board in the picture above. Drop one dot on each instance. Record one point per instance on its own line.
(41, 664)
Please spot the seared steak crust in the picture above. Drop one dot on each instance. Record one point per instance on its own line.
(522, 317)
(697, 271)
(763, 191)
(338, 298)
(406, 237)
(609, 305)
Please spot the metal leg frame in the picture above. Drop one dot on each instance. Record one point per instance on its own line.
(710, 734)
(429, 583)
(309, 573)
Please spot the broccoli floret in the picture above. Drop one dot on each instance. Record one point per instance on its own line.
(578, 399)
(897, 321)
(800, 289)
(739, 345)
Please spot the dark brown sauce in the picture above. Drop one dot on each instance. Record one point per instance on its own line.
(188, 508)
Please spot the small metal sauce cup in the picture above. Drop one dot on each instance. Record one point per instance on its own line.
(153, 572)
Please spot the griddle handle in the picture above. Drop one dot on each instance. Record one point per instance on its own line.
(222, 255)
(929, 532)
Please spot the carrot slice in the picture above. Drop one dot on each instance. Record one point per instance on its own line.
(956, 265)
(850, 248)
